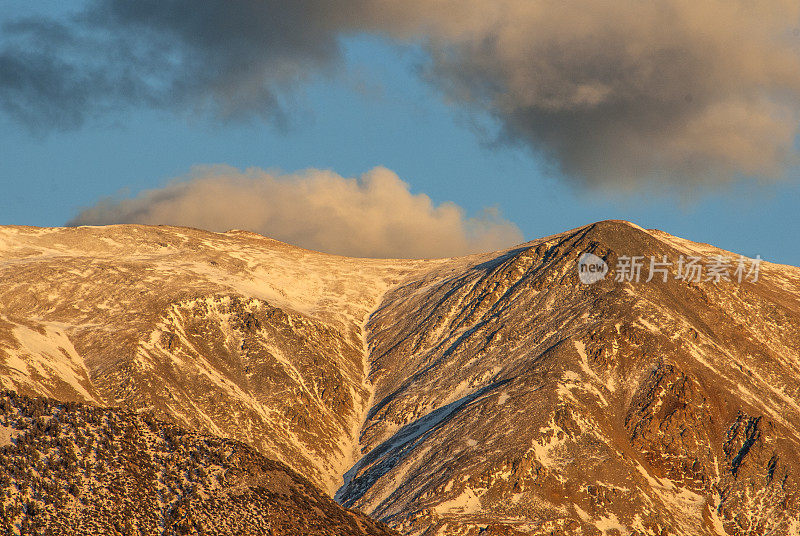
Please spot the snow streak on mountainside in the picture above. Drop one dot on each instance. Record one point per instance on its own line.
(503, 396)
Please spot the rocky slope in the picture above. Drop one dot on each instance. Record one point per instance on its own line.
(512, 394)
(73, 469)
(492, 394)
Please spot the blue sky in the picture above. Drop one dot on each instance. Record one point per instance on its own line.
(376, 111)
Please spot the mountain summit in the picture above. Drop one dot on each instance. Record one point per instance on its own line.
(492, 394)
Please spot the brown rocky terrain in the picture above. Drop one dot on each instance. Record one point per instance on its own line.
(68, 469)
(491, 394)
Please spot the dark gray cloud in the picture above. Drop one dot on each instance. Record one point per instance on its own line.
(230, 59)
(620, 92)
(36, 86)
(613, 92)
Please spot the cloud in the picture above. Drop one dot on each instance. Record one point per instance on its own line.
(618, 93)
(229, 59)
(373, 216)
(613, 93)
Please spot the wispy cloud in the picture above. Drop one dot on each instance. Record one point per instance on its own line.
(372, 216)
(614, 92)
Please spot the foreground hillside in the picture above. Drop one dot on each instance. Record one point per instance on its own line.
(491, 394)
(72, 469)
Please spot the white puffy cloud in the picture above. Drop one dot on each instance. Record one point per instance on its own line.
(374, 215)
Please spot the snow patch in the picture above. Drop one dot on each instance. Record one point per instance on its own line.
(50, 354)
(468, 502)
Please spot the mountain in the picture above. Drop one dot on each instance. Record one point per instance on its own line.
(69, 468)
(490, 394)
(512, 392)
(235, 335)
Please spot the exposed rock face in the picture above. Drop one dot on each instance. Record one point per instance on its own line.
(73, 469)
(504, 396)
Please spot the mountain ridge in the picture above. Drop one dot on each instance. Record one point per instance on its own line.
(391, 373)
